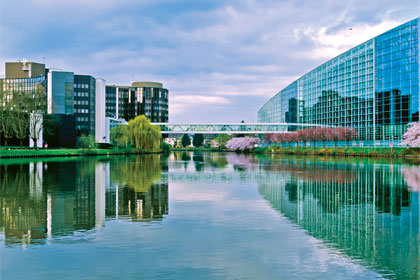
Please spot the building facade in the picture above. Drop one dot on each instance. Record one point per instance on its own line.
(373, 87)
(141, 98)
(84, 104)
(60, 94)
(22, 79)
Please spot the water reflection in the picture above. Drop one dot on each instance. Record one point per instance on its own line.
(43, 200)
(412, 177)
(366, 211)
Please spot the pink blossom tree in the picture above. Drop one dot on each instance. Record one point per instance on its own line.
(333, 135)
(242, 143)
(288, 138)
(303, 136)
(322, 134)
(349, 134)
(412, 136)
(294, 137)
(312, 134)
(268, 138)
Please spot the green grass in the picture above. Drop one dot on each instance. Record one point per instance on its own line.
(349, 151)
(12, 153)
(202, 149)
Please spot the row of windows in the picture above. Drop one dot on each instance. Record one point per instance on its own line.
(81, 85)
(81, 111)
(82, 119)
(81, 102)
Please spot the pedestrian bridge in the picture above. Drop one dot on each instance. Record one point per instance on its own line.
(231, 128)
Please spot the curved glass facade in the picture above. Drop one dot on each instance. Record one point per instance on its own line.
(373, 87)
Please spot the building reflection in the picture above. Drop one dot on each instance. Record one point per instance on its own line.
(43, 200)
(367, 212)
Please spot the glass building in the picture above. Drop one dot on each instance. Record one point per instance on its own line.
(373, 87)
(60, 92)
(141, 98)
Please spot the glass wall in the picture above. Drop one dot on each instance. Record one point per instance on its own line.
(396, 80)
(135, 101)
(60, 93)
(373, 87)
(84, 104)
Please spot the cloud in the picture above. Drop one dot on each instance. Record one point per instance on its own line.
(242, 51)
(179, 104)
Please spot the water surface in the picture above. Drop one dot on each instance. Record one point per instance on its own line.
(209, 216)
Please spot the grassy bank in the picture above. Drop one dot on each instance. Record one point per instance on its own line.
(22, 153)
(350, 151)
(201, 149)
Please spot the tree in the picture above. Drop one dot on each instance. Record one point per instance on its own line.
(119, 135)
(198, 140)
(186, 140)
(222, 139)
(19, 115)
(6, 118)
(412, 136)
(23, 112)
(349, 134)
(341, 132)
(303, 136)
(268, 138)
(322, 134)
(87, 142)
(242, 143)
(6, 127)
(143, 135)
(37, 108)
(312, 134)
(332, 134)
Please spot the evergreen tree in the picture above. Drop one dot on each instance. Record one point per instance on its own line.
(198, 140)
(186, 140)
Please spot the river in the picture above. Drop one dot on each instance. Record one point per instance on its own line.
(193, 215)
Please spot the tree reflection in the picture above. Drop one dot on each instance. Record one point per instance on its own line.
(139, 192)
(44, 200)
(240, 161)
(138, 174)
(412, 177)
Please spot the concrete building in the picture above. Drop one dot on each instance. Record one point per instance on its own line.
(24, 69)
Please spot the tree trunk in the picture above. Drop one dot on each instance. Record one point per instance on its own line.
(313, 142)
(21, 142)
(335, 144)
(347, 143)
(323, 144)
(35, 143)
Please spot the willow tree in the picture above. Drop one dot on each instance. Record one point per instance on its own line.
(120, 135)
(144, 135)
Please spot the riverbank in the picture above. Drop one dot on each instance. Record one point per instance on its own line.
(195, 149)
(33, 153)
(344, 151)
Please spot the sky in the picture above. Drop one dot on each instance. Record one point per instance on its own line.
(220, 60)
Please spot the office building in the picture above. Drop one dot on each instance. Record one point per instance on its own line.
(20, 77)
(84, 104)
(373, 87)
(141, 98)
